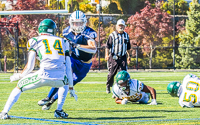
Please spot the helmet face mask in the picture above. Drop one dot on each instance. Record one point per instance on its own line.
(173, 87)
(47, 26)
(122, 80)
(77, 21)
(124, 85)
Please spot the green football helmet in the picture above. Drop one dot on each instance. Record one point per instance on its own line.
(172, 88)
(47, 26)
(122, 77)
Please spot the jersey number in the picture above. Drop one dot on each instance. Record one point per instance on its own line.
(57, 46)
(195, 88)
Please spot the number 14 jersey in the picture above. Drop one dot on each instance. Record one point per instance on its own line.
(51, 53)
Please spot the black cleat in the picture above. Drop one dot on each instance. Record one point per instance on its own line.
(108, 90)
(48, 105)
(43, 101)
(60, 114)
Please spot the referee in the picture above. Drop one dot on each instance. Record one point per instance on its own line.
(117, 49)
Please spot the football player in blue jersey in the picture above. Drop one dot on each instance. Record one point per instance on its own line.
(83, 46)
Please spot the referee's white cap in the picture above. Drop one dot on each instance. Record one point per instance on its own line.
(121, 22)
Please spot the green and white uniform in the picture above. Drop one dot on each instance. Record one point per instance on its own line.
(51, 51)
(135, 94)
(189, 91)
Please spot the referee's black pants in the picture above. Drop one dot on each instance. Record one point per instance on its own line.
(113, 67)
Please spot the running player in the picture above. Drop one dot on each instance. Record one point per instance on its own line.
(53, 53)
(83, 46)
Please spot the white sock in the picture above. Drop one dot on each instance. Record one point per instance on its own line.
(62, 93)
(14, 95)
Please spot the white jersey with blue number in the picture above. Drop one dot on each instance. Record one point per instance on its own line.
(136, 94)
(51, 53)
(189, 91)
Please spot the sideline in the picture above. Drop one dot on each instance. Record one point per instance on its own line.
(161, 120)
(98, 123)
(149, 70)
(57, 121)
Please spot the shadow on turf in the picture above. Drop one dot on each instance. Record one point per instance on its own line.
(147, 111)
(99, 111)
(109, 118)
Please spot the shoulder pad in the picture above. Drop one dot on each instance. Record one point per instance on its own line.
(31, 44)
(89, 32)
(66, 30)
(115, 90)
(136, 85)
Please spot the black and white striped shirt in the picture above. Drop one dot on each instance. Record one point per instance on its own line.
(118, 43)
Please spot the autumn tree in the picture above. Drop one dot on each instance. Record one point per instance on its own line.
(148, 28)
(188, 55)
(100, 40)
(28, 24)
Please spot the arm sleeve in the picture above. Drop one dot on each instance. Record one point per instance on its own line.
(69, 71)
(88, 50)
(68, 65)
(128, 43)
(141, 86)
(109, 42)
(116, 91)
(93, 35)
(30, 64)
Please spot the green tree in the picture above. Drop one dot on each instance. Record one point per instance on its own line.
(132, 6)
(73, 5)
(187, 56)
(181, 7)
(113, 8)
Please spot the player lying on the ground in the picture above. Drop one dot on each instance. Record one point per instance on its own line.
(53, 53)
(83, 46)
(188, 92)
(132, 90)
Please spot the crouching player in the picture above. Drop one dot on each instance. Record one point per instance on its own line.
(132, 90)
(53, 53)
(188, 92)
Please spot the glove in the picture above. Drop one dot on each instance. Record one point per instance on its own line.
(153, 102)
(124, 101)
(73, 94)
(15, 77)
(69, 36)
(74, 45)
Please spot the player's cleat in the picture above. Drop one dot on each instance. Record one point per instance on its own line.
(60, 114)
(4, 116)
(107, 89)
(43, 101)
(48, 105)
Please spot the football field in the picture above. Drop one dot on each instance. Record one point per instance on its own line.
(95, 106)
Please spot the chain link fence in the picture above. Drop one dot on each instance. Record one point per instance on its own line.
(155, 58)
